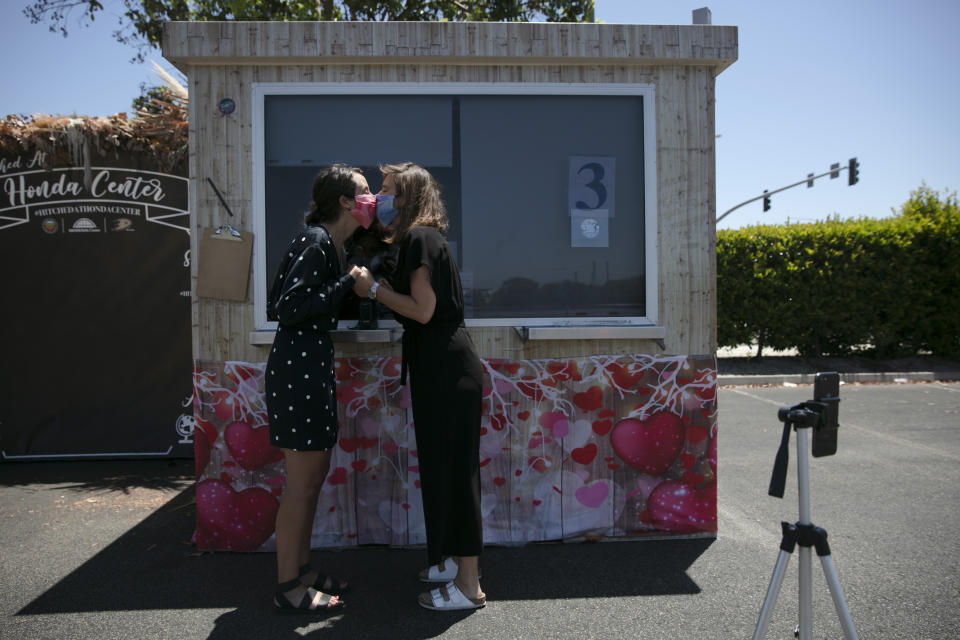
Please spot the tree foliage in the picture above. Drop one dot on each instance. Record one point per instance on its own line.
(141, 22)
(886, 287)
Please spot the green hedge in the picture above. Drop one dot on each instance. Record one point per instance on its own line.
(887, 287)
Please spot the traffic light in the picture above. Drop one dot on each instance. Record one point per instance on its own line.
(766, 202)
(853, 172)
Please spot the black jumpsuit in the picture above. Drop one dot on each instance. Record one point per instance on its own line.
(300, 385)
(446, 380)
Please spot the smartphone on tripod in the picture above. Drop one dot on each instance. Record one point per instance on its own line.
(826, 390)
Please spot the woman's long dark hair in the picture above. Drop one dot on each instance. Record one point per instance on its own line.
(331, 183)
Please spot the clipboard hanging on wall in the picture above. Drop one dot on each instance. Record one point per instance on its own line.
(223, 266)
(224, 263)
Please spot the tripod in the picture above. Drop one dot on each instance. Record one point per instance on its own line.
(804, 533)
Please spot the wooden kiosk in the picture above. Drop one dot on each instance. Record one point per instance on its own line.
(578, 165)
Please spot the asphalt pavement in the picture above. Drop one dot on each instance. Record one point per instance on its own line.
(101, 550)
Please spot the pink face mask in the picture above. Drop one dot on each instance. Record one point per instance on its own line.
(365, 211)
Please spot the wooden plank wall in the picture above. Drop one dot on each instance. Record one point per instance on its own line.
(223, 60)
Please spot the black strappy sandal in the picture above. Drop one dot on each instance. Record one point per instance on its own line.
(337, 586)
(284, 605)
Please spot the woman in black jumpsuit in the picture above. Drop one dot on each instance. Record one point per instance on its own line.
(446, 380)
(299, 382)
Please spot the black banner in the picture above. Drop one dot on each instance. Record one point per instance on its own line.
(96, 292)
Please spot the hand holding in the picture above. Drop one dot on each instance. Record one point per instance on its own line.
(363, 281)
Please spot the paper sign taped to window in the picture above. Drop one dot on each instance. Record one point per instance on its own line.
(589, 228)
(592, 184)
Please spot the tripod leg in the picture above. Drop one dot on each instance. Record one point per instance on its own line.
(839, 602)
(805, 575)
(779, 571)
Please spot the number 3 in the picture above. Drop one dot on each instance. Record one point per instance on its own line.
(596, 185)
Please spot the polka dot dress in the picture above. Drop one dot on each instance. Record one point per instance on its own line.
(301, 391)
(300, 383)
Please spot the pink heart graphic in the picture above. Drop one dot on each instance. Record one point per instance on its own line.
(593, 495)
(369, 427)
(250, 447)
(503, 387)
(650, 445)
(556, 422)
(233, 521)
(678, 507)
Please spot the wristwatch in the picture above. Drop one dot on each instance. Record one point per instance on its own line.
(372, 294)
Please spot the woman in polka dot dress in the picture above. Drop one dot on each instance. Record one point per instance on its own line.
(300, 385)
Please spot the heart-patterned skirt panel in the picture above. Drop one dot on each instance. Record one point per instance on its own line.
(602, 446)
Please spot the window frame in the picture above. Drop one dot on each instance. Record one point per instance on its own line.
(261, 90)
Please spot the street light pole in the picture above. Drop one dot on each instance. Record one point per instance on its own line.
(833, 173)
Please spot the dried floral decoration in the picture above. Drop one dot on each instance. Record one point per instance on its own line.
(159, 131)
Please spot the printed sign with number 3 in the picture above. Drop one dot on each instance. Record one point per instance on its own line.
(591, 183)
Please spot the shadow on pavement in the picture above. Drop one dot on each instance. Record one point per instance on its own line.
(155, 567)
(87, 475)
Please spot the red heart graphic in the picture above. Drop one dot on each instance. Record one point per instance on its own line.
(676, 506)
(531, 390)
(337, 476)
(584, 455)
(499, 481)
(392, 368)
(602, 427)
(224, 403)
(523, 415)
(625, 376)
(687, 460)
(344, 368)
(390, 448)
(539, 463)
(206, 428)
(359, 465)
(347, 393)
(696, 435)
(241, 373)
(233, 521)
(589, 400)
(250, 447)
(650, 445)
(352, 444)
(564, 370)
(708, 392)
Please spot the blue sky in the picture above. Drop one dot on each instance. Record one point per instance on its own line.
(816, 82)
